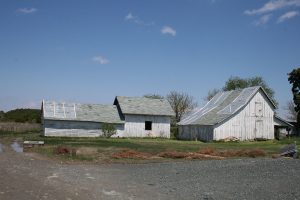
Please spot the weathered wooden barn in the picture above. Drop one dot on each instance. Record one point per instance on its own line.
(245, 114)
(131, 117)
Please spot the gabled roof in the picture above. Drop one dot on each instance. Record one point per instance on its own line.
(144, 106)
(81, 112)
(222, 106)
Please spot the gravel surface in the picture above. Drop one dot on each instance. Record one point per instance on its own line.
(26, 176)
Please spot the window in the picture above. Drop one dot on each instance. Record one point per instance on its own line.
(148, 125)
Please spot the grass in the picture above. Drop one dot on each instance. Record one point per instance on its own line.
(110, 148)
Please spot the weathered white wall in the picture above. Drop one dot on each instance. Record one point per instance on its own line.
(243, 125)
(193, 132)
(76, 128)
(135, 126)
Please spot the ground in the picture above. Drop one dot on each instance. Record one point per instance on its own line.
(32, 176)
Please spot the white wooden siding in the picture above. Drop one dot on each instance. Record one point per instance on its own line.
(135, 126)
(243, 124)
(62, 128)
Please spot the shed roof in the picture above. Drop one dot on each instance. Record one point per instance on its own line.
(81, 112)
(280, 121)
(144, 106)
(222, 106)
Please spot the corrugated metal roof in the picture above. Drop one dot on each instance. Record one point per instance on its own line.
(220, 107)
(144, 106)
(81, 112)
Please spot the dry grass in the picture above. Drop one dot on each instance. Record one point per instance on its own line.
(211, 153)
(173, 154)
(207, 150)
(204, 153)
(234, 153)
(19, 127)
(253, 153)
(86, 151)
(131, 154)
(188, 155)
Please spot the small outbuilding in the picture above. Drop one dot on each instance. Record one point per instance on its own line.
(131, 117)
(245, 114)
(283, 128)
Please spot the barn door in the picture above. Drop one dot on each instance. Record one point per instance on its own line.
(259, 129)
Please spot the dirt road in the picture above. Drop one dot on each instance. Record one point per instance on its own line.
(25, 176)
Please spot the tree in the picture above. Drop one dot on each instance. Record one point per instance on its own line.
(181, 103)
(291, 113)
(294, 79)
(211, 94)
(2, 113)
(153, 96)
(235, 82)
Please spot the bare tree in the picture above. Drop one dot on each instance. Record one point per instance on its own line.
(211, 94)
(291, 113)
(181, 103)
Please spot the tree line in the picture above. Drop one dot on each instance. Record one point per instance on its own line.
(21, 115)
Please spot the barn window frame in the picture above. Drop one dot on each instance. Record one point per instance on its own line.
(148, 125)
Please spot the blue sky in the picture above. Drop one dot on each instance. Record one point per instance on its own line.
(91, 51)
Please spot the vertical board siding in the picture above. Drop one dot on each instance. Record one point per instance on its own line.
(61, 128)
(195, 132)
(243, 124)
(135, 126)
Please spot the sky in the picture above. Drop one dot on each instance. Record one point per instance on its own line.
(91, 51)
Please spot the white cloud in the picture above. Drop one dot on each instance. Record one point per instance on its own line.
(263, 20)
(168, 30)
(130, 17)
(273, 5)
(101, 60)
(26, 10)
(287, 15)
(137, 20)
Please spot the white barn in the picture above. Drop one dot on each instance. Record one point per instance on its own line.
(246, 114)
(131, 117)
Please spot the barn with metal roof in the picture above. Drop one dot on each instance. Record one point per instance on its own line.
(131, 117)
(145, 117)
(245, 114)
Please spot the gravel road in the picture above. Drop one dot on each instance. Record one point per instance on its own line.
(26, 176)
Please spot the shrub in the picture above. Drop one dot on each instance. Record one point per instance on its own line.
(174, 132)
(108, 130)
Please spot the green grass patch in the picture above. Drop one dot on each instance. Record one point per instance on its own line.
(107, 146)
(156, 145)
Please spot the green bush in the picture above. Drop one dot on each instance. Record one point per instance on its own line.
(174, 132)
(108, 130)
